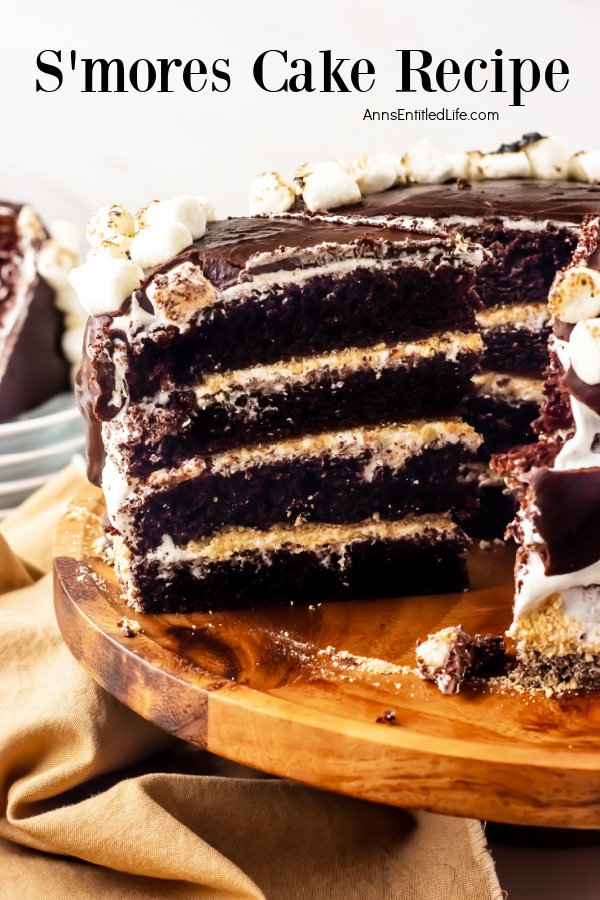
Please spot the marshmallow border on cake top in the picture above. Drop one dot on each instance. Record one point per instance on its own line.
(328, 184)
(123, 246)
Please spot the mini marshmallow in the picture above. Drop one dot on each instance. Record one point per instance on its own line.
(585, 166)
(375, 173)
(575, 295)
(473, 159)
(72, 342)
(209, 208)
(327, 186)
(459, 165)
(108, 222)
(504, 165)
(54, 264)
(177, 294)
(102, 283)
(426, 165)
(269, 193)
(548, 158)
(67, 301)
(118, 248)
(67, 235)
(155, 244)
(184, 210)
(584, 349)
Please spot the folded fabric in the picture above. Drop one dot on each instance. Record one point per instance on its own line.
(98, 803)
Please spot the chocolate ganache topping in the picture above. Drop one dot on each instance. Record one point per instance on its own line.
(568, 517)
(564, 201)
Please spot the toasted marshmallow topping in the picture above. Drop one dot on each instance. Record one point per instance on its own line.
(103, 283)
(548, 158)
(269, 193)
(585, 166)
(575, 295)
(109, 222)
(209, 208)
(459, 165)
(180, 292)
(504, 165)
(155, 244)
(326, 185)
(584, 348)
(377, 173)
(186, 210)
(426, 165)
(67, 236)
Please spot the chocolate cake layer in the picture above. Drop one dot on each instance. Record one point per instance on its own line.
(345, 389)
(323, 314)
(307, 565)
(515, 338)
(313, 489)
(387, 471)
(502, 409)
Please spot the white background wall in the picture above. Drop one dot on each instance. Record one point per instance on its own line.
(69, 152)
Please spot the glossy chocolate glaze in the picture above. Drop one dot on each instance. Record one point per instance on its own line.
(568, 517)
(564, 201)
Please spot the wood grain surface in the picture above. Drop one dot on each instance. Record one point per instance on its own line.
(296, 692)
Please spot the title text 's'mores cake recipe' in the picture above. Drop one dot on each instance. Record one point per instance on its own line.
(272, 402)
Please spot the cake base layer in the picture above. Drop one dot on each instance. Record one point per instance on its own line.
(304, 565)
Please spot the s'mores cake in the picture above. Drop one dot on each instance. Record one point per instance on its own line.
(35, 309)
(524, 203)
(556, 623)
(272, 403)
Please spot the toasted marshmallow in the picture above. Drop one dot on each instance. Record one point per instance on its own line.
(209, 208)
(376, 173)
(326, 185)
(67, 301)
(102, 283)
(155, 244)
(184, 210)
(177, 294)
(584, 350)
(72, 342)
(269, 193)
(548, 158)
(504, 165)
(109, 222)
(459, 165)
(426, 165)
(575, 295)
(54, 264)
(67, 235)
(118, 248)
(585, 166)
(473, 159)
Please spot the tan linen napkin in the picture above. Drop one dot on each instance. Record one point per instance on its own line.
(98, 803)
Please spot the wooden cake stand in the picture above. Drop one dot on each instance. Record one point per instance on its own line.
(297, 691)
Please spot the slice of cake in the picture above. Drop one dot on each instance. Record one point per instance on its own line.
(524, 204)
(557, 604)
(33, 364)
(272, 404)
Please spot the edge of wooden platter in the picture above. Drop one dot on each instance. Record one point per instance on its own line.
(517, 782)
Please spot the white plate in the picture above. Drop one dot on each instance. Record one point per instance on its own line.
(27, 456)
(23, 484)
(54, 422)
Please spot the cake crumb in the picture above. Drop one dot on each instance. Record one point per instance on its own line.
(129, 627)
(387, 717)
